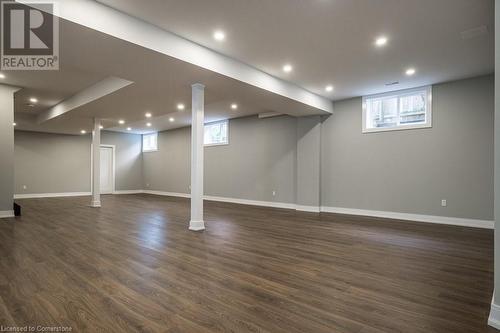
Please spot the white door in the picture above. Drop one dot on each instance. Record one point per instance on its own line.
(107, 177)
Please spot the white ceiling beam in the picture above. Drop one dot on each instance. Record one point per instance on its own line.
(102, 88)
(107, 20)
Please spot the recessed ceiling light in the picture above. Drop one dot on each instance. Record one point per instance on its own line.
(14, 124)
(148, 115)
(219, 35)
(381, 41)
(234, 106)
(181, 106)
(148, 124)
(129, 128)
(410, 71)
(329, 88)
(2, 76)
(83, 131)
(171, 119)
(33, 100)
(287, 68)
(121, 121)
(101, 127)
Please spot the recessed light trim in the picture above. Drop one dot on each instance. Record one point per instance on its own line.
(148, 124)
(181, 106)
(2, 76)
(14, 124)
(234, 106)
(129, 128)
(148, 115)
(83, 131)
(171, 119)
(121, 121)
(381, 41)
(410, 71)
(287, 68)
(101, 127)
(219, 35)
(33, 100)
(329, 88)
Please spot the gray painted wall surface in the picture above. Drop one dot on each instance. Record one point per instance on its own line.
(497, 152)
(411, 171)
(259, 159)
(308, 161)
(6, 147)
(56, 163)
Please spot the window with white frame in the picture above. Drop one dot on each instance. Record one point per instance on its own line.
(150, 142)
(404, 109)
(216, 133)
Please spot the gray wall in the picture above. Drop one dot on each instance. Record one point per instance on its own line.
(497, 152)
(411, 171)
(6, 147)
(57, 163)
(260, 159)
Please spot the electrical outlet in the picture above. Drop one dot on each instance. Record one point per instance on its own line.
(274, 193)
(25, 187)
(444, 203)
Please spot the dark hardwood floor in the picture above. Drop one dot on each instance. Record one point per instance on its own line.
(132, 266)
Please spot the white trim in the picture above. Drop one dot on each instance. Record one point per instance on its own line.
(311, 209)
(399, 93)
(6, 213)
(128, 192)
(196, 225)
(251, 202)
(51, 195)
(487, 224)
(95, 204)
(167, 194)
(494, 318)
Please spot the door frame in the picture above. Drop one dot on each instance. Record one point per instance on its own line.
(113, 162)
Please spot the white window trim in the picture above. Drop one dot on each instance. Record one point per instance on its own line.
(216, 144)
(142, 143)
(427, 124)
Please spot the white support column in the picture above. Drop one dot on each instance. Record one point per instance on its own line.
(197, 132)
(96, 164)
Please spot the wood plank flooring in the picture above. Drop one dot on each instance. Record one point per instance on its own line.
(132, 266)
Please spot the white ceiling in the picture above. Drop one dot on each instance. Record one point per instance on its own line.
(331, 41)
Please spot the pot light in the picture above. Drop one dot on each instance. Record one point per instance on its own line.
(2, 76)
(148, 114)
(129, 128)
(381, 41)
(181, 106)
(287, 68)
(121, 121)
(148, 124)
(410, 71)
(219, 35)
(14, 124)
(83, 131)
(101, 127)
(33, 100)
(171, 119)
(234, 106)
(329, 88)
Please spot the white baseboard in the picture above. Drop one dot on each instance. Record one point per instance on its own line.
(51, 195)
(6, 213)
(494, 318)
(251, 202)
(310, 209)
(486, 224)
(128, 192)
(168, 194)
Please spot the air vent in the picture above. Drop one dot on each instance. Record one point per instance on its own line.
(474, 33)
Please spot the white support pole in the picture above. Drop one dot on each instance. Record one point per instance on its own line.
(96, 164)
(198, 110)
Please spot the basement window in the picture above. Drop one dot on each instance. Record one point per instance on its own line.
(216, 134)
(398, 110)
(149, 142)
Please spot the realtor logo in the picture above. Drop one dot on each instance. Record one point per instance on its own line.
(30, 36)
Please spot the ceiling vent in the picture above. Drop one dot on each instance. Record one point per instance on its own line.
(474, 33)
